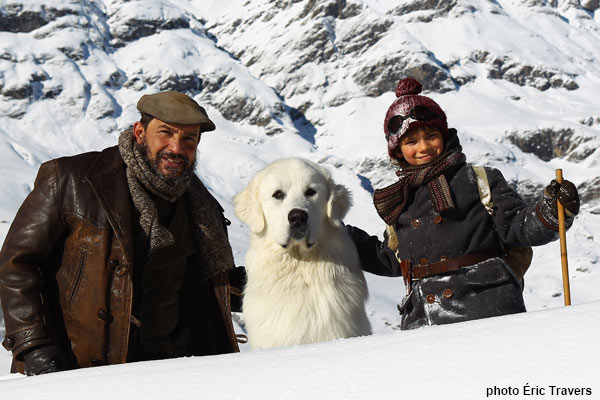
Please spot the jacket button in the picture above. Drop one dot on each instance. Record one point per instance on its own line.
(416, 222)
(9, 343)
(447, 293)
(102, 315)
(113, 264)
(121, 270)
(430, 298)
(437, 219)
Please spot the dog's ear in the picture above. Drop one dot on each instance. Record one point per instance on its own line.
(340, 201)
(248, 209)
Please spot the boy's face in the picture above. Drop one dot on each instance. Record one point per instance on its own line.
(421, 145)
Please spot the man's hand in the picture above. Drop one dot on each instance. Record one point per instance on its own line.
(237, 282)
(42, 360)
(566, 193)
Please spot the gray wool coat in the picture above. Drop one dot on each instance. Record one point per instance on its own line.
(486, 289)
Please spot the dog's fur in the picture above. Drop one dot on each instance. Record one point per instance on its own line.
(305, 283)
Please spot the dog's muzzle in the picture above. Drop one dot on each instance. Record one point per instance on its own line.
(298, 220)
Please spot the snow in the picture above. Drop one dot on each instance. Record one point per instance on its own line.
(461, 361)
(550, 345)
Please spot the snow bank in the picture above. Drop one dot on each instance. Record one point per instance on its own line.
(529, 354)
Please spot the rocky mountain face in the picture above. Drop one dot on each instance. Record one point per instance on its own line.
(96, 41)
(347, 49)
(374, 49)
(282, 65)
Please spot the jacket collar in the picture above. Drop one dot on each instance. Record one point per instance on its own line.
(109, 182)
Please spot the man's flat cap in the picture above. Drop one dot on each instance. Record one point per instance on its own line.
(176, 108)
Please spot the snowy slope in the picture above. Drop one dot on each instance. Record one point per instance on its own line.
(524, 352)
(519, 79)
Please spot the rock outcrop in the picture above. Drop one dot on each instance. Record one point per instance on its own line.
(555, 143)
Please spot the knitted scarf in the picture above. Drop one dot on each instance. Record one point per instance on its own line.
(141, 179)
(390, 201)
(206, 213)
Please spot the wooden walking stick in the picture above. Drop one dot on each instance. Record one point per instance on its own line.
(563, 244)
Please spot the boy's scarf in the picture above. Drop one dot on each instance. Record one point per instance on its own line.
(390, 201)
(211, 236)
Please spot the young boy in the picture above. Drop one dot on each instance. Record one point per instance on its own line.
(440, 237)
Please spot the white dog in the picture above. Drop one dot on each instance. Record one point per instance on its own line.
(305, 283)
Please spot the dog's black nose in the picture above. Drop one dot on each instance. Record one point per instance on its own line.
(297, 218)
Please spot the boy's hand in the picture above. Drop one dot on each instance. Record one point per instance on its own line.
(566, 193)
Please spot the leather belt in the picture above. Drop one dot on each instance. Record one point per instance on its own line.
(424, 270)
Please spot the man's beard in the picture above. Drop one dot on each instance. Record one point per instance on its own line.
(188, 170)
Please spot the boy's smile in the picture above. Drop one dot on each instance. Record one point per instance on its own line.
(421, 145)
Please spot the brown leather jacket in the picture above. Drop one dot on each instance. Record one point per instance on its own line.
(65, 265)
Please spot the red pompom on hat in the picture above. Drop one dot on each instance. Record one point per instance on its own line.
(408, 86)
(411, 110)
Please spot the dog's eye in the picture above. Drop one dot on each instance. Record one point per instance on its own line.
(278, 194)
(310, 192)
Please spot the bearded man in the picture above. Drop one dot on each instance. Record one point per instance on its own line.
(120, 255)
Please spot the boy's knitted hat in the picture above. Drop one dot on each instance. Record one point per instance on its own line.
(409, 111)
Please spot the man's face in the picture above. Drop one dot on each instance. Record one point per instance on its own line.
(170, 147)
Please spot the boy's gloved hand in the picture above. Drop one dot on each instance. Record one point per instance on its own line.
(42, 360)
(566, 193)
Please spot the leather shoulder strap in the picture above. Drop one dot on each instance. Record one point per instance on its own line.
(392, 242)
(485, 193)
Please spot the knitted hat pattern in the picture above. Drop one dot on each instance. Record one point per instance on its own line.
(407, 93)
